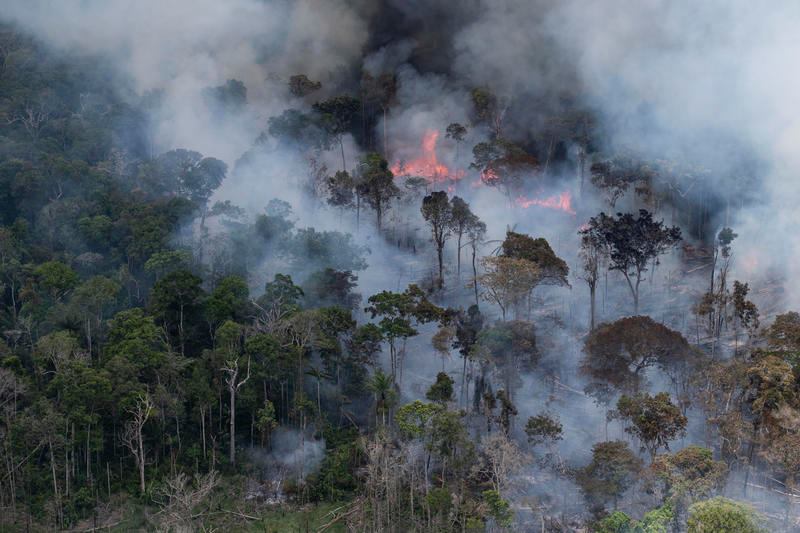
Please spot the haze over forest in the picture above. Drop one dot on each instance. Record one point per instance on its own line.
(399, 265)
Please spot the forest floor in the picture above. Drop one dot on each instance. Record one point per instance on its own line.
(124, 514)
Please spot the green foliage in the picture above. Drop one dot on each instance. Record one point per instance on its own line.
(365, 343)
(498, 508)
(266, 419)
(230, 300)
(331, 287)
(538, 251)
(273, 229)
(134, 353)
(690, 473)
(655, 521)
(439, 500)
(614, 176)
(298, 129)
(300, 85)
(399, 312)
(328, 249)
(721, 515)
(161, 263)
(281, 294)
(414, 419)
(231, 97)
(504, 164)
(376, 184)
(442, 390)
(543, 428)
(616, 522)
(108, 249)
(339, 114)
(189, 174)
(336, 479)
(654, 420)
(56, 278)
(177, 300)
(613, 469)
(509, 343)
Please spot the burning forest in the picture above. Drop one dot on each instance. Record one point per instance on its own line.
(389, 266)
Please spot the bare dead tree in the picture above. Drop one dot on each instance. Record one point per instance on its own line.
(33, 116)
(132, 436)
(231, 368)
(502, 459)
(180, 498)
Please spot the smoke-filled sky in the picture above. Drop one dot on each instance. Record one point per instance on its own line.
(713, 83)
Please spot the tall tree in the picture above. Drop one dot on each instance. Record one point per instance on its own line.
(591, 254)
(489, 109)
(229, 337)
(380, 90)
(338, 118)
(613, 469)
(460, 221)
(476, 232)
(654, 420)
(554, 270)
(619, 353)
(300, 85)
(457, 132)
(634, 243)
(507, 281)
(722, 515)
(376, 185)
(133, 436)
(614, 176)
(399, 313)
(176, 298)
(438, 213)
(503, 164)
(94, 297)
(745, 312)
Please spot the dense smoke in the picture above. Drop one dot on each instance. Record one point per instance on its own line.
(711, 84)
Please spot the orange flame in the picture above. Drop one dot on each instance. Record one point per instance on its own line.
(489, 176)
(562, 202)
(427, 163)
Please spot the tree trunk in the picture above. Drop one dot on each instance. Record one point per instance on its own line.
(475, 275)
(203, 430)
(463, 382)
(439, 252)
(232, 453)
(88, 453)
(458, 257)
(358, 210)
(180, 331)
(56, 493)
(592, 295)
(319, 402)
(634, 292)
(141, 458)
(385, 140)
(89, 335)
